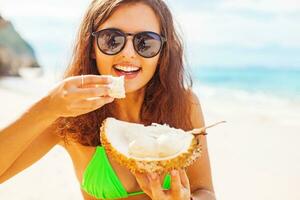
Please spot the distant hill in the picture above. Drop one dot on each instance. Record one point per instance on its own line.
(15, 52)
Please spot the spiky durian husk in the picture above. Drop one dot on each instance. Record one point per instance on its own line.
(159, 166)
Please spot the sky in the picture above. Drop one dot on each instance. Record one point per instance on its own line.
(217, 33)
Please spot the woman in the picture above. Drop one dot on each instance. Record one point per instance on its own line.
(134, 38)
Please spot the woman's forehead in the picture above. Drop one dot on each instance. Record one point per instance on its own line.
(133, 18)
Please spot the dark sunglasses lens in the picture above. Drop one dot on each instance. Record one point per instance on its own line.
(147, 44)
(110, 41)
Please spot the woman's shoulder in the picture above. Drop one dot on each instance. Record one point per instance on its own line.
(193, 98)
(196, 114)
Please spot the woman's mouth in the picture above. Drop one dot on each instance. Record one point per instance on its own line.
(128, 71)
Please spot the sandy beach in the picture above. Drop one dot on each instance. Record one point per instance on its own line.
(255, 155)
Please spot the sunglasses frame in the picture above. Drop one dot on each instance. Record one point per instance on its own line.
(97, 33)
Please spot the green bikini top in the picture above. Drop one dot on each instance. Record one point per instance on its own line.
(100, 180)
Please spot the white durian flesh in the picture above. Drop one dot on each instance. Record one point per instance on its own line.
(155, 148)
(117, 87)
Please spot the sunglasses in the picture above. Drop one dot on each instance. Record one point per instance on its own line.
(112, 41)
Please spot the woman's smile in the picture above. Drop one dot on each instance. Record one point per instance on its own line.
(128, 70)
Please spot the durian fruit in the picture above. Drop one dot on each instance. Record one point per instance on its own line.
(117, 87)
(154, 148)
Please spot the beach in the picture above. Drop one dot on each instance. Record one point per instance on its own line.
(255, 155)
(244, 59)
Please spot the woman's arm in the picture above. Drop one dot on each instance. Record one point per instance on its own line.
(200, 173)
(202, 194)
(41, 145)
(31, 136)
(19, 135)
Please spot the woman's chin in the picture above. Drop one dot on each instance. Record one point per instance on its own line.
(129, 88)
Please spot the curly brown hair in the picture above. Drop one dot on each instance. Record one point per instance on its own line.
(167, 95)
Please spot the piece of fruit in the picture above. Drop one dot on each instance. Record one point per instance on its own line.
(155, 148)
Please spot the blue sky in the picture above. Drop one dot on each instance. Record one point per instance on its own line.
(242, 32)
(221, 33)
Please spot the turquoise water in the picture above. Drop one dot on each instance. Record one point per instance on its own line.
(279, 82)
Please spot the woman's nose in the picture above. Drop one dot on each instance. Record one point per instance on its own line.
(128, 50)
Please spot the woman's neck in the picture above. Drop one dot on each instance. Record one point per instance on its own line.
(129, 108)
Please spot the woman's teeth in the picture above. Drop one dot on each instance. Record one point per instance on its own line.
(127, 68)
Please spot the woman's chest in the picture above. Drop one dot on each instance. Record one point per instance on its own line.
(89, 165)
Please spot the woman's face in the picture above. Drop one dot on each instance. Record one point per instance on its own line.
(132, 18)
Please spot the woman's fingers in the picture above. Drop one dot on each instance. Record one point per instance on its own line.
(175, 183)
(91, 104)
(155, 185)
(78, 95)
(184, 179)
(83, 80)
(151, 185)
(83, 93)
(143, 182)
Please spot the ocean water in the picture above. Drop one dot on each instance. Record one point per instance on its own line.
(279, 82)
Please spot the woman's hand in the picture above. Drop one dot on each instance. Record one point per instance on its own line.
(152, 186)
(78, 95)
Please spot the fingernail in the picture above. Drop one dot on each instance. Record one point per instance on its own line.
(107, 90)
(153, 176)
(174, 172)
(112, 99)
(108, 78)
(109, 86)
